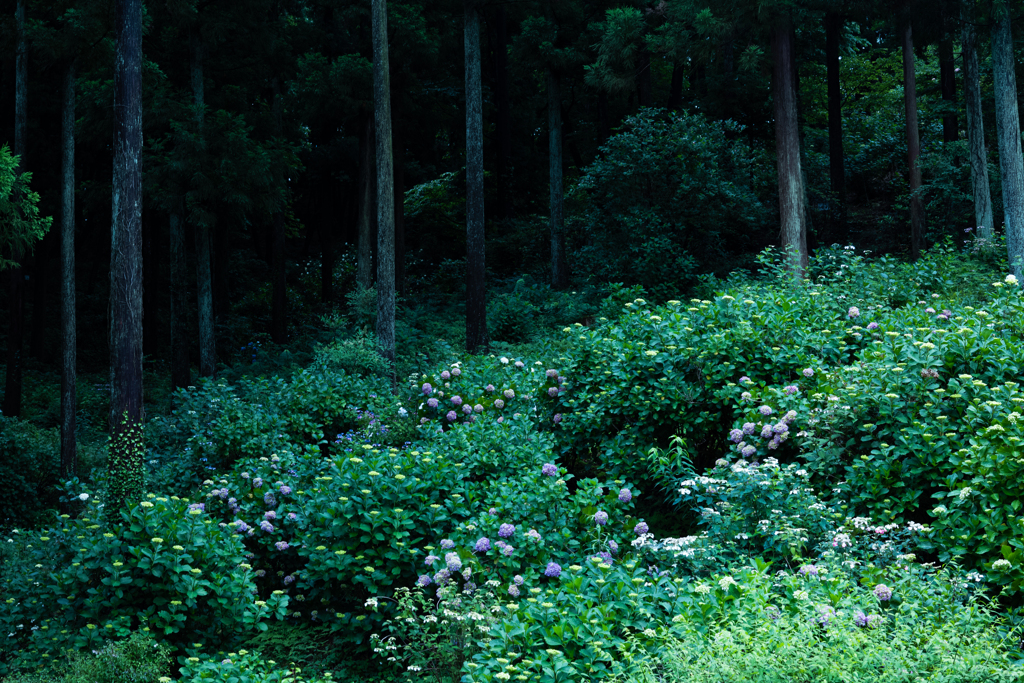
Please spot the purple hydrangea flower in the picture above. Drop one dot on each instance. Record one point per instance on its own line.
(773, 444)
(534, 534)
(808, 570)
(520, 364)
(447, 544)
(269, 514)
(613, 546)
(442, 577)
(198, 506)
(456, 372)
(240, 526)
(509, 394)
(744, 379)
(513, 590)
(557, 418)
(601, 517)
(467, 409)
(552, 391)
(424, 580)
(883, 592)
(865, 620)
(223, 493)
(791, 388)
(445, 375)
(451, 416)
(492, 511)
(553, 570)
(765, 410)
(872, 326)
(427, 389)
(499, 404)
(432, 402)
(780, 428)
(507, 550)
(286, 490)
(268, 498)
(289, 579)
(518, 579)
(453, 562)
(551, 374)
(506, 530)
(549, 470)
(281, 545)
(625, 495)
(766, 432)
(746, 396)
(808, 372)
(853, 312)
(748, 428)
(748, 451)
(736, 435)
(267, 526)
(489, 388)
(456, 401)
(641, 529)
(257, 482)
(605, 556)
(482, 545)
(292, 516)
(430, 559)
(478, 408)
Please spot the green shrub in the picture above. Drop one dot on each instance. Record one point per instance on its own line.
(163, 565)
(357, 356)
(138, 659)
(29, 471)
(243, 667)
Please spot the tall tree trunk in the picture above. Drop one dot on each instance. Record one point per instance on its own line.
(787, 145)
(204, 267)
(367, 208)
(836, 162)
(16, 298)
(1008, 130)
(559, 270)
(328, 225)
(385, 188)
(181, 373)
(69, 345)
(125, 480)
(976, 128)
(504, 105)
(917, 225)
(947, 78)
(675, 95)
(279, 293)
(476, 295)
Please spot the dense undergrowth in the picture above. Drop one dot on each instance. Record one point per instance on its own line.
(819, 480)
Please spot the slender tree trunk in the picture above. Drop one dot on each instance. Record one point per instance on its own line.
(181, 373)
(279, 294)
(69, 345)
(976, 129)
(836, 164)
(503, 102)
(787, 144)
(150, 273)
(204, 267)
(476, 296)
(917, 225)
(125, 480)
(947, 78)
(367, 210)
(385, 187)
(559, 270)
(675, 96)
(1011, 165)
(16, 298)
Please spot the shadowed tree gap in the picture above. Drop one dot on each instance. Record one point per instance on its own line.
(69, 346)
(917, 224)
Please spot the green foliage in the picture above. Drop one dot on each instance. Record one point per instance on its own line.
(21, 226)
(127, 474)
(671, 195)
(357, 356)
(243, 667)
(163, 565)
(29, 471)
(138, 659)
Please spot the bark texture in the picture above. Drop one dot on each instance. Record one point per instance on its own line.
(126, 411)
(204, 268)
(913, 144)
(976, 129)
(787, 145)
(476, 311)
(16, 296)
(1011, 165)
(385, 187)
(556, 220)
(69, 346)
(836, 165)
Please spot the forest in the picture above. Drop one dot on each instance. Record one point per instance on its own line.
(431, 341)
